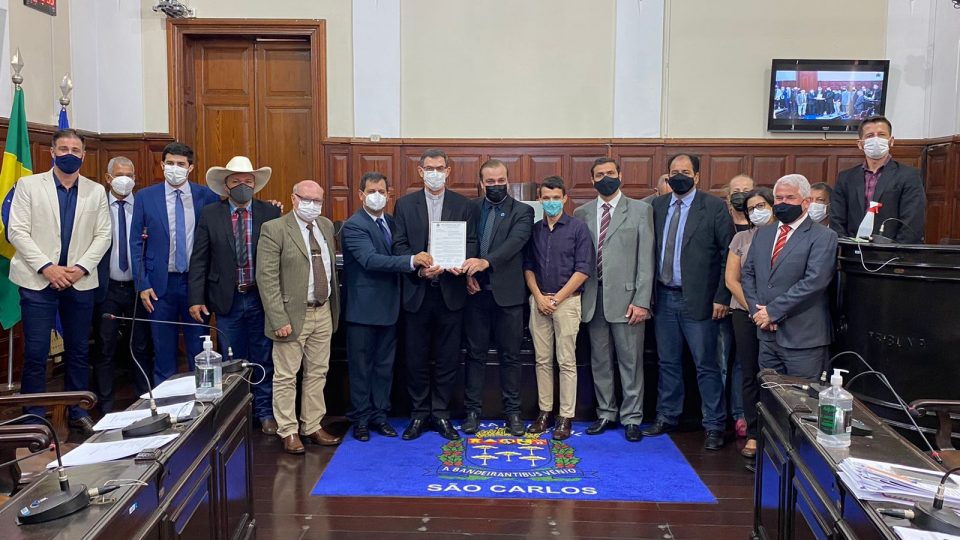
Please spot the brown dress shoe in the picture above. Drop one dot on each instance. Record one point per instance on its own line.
(268, 426)
(540, 424)
(750, 449)
(292, 444)
(322, 438)
(562, 430)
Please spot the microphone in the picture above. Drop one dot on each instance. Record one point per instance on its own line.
(156, 422)
(231, 362)
(50, 506)
(932, 517)
(881, 239)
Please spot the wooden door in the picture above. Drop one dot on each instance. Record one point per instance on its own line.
(252, 97)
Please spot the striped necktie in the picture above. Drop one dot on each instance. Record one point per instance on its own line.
(781, 241)
(602, 237)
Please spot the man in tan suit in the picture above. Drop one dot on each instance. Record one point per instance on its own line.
(60, 227)
(298, 284)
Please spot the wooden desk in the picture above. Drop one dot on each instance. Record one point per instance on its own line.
(798, 493)
(200, 487)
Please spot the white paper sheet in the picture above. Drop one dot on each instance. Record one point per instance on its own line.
(184, 386)
(90, 453)
(120, 420)
(448, 243)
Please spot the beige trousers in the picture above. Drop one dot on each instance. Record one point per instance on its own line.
(558, 331)
(312, 351)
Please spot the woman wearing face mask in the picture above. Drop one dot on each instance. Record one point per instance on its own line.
(759, 210)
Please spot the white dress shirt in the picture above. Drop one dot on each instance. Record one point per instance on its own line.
(434, 205)
(324, 254)
(189, 219)
(793, 229)
(115, 273)
(387, 225)
(613, 206)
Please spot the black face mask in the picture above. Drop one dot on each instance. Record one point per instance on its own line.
(496, 194)
(607, 185)
(738, 201)
(787, 213)
(680, 183)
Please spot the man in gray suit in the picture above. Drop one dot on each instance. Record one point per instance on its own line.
(785, 279)
(616, 298)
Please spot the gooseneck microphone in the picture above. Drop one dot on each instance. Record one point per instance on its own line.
(932, 517)
(228, 363)
(51, 506)
(879, 238)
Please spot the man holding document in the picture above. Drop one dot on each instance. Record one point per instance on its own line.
(444, 223)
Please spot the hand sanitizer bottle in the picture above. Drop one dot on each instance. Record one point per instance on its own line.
(836, 413)
(209, 372)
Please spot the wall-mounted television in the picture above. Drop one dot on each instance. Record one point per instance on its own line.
(825, 95)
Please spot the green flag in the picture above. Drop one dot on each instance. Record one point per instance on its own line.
(16, 164)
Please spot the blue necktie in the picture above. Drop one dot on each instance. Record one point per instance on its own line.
(386, 232)
(180, 260)
(122, 218)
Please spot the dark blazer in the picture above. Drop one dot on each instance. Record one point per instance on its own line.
(412, 237)
(794, 290)
(150, 212)
(371, 272)
(703, 254)
(511, 230)
(213, 265)
(899, 190)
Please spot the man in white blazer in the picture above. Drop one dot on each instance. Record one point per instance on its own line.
(60, 227)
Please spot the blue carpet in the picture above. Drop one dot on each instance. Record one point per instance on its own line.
(493, 464)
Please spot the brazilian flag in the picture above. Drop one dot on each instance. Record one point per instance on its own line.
(16, 164)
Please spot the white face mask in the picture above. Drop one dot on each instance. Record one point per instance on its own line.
(375, 201)
(760, 217)
(175, 175)
(308, 211)
(876, 147)
(817, 211)
(434, 180)
(122, 185)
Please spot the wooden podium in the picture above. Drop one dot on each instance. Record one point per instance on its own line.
(899, 307)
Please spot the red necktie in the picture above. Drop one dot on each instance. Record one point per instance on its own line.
(781, 241)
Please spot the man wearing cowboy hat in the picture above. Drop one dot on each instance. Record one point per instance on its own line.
(223, 271)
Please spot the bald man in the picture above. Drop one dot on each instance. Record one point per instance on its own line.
(301, 301)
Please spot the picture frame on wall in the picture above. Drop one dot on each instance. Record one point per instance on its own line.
(47, 6)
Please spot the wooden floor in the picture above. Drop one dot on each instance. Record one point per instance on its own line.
(285, 509)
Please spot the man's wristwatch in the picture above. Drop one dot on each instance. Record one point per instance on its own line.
(554, 303)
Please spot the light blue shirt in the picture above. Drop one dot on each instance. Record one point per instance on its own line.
(685, 203)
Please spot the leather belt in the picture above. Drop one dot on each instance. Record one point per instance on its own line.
(554, 294)
(246, 287)
(316, 304)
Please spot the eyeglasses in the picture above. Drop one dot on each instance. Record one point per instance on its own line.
(758, 206)
(314, 201)
(427, 168)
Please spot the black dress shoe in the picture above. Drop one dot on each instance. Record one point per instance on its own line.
(83, 424)
(515, 425)
(714, 440)
(658, 428)
(471, 424)
(384, 429)
(599, 426)
(445, 429)
(361, 432)
(414, 429)
(632, 432)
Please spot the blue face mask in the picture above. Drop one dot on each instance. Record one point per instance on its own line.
(68, 163)
(552, 208)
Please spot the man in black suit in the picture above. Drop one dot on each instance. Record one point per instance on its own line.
(116, 293)
(434, 297)
(897, 187)
(498, 292)
(693, 232)
(223, 267)
(371, 287)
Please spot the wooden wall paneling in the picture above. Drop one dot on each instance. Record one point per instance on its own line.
(542, 166)
(382, 159)
(814, 168)
(577, 165)
(129, 148)
(844, 163)
(953, 188)
(465, 172)
(936, 180)
(337, 181)
(153, 160)
(766, 169)
(717, 169)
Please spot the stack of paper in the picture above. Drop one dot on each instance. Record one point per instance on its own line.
(916, 534)
(889, 482)
(89, 453)
(120, 420)
(184, 386)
